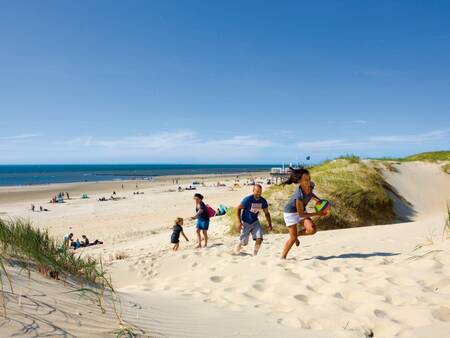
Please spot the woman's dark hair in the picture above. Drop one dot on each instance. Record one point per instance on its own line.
(199, 196)
(295, 175)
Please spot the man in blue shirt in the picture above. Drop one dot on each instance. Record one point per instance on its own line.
(247, 216)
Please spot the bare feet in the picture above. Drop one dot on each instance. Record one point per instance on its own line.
(237, 250)
(198, 246)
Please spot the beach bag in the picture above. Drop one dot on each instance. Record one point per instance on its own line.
(210, 211)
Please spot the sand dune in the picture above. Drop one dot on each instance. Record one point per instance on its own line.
(380, 281)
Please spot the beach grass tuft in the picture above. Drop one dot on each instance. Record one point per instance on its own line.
(33, 248)
(20, 240)
(446, 168)
(446, 231)
(431, 156)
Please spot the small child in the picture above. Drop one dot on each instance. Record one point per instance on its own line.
(177, 230)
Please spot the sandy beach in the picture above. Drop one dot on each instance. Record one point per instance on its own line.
(379, 281)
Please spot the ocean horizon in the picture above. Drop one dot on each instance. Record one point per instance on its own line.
(36, 174)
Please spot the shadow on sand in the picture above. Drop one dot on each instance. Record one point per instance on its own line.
(354, 255)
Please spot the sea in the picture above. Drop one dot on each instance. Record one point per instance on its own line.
(13, 175)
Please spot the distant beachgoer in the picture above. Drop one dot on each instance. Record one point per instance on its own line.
(32, 207)
(67, 194)
(122, 185)
(248, 222)
(295, 213)
(85, 242)
(177, 230)
(75, 244)
(202, 220)
(67, 239)
(114, 193)
(41, 208)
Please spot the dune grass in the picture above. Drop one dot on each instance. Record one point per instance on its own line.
(446, 231)
(355, 188)
(431, 156)
(446, 168)
(18, 239)
(33, 248)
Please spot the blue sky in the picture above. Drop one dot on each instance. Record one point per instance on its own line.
(222, 81)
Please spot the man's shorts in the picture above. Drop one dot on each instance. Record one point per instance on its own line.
(254, 228)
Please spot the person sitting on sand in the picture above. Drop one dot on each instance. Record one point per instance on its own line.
(84, 241)
(67, 239)
(248, 222)
(177, 230)
(202, 219)
(295, 213)
(75, 244)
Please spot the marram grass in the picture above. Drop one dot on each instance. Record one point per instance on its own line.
(20, 240)
(33, 247)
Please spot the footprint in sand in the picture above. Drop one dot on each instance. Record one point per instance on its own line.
(379, 313)
(338, 295)
(216, 279)
(301, 298)
(442, 314)
(259, 287)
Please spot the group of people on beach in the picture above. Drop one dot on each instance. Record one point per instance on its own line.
(297, 219)
(33, 208)
(71, 243)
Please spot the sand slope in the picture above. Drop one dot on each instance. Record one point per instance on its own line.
(381, 281)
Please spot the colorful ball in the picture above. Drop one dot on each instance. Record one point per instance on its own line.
(323, 206)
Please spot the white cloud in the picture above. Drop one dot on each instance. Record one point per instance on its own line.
(413, 138)
(19, 137)
(180, 141)
(244, 141)
(374, 141)
(323, 145)
(162, 140)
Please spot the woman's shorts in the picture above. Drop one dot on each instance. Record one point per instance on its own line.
(203, 224)
(291, 218)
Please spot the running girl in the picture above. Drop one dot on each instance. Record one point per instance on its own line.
(177, 230)
(295, 210)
